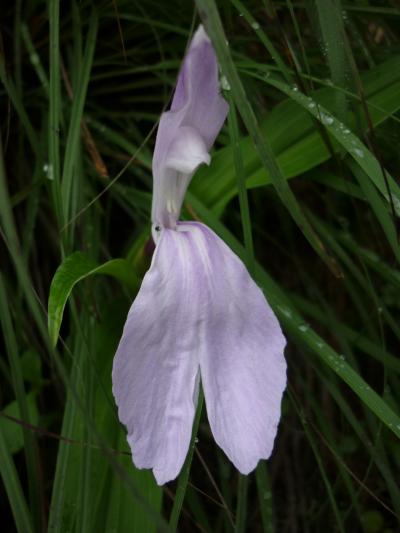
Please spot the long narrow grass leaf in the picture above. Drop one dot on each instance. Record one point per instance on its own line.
(210, 15)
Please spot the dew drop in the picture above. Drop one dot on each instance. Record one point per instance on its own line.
(225, 84)
(48, 170)
(285, 311)
(255, 25)
(396, 202)
(358, 152)
(35, 59)
(326, 119)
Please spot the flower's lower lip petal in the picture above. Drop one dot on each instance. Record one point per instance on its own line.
(243, 370)
(156, 365)
(199, 306)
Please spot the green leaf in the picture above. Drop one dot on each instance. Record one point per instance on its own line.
(296, 143)
(71, 149)
(77, 267)
(265, 496)
(378, 205)
(347, 140)
(185, 472)
(123, 512)
(301, 332)
(330, 18)
(12, 431)
(13, 489)
(31, 366)
(209, 12)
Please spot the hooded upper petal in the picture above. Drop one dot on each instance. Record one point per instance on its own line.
(199, 306)
(197, 114)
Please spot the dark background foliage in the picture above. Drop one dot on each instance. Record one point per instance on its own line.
(83, 85)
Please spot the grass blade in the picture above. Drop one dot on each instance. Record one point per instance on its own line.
(30, 444)
(265, 497)
(209, 13)
(13, 488)
(184, 475)
(55, 104)
(302, 333)
(71, 149)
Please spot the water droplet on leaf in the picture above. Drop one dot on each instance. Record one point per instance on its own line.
(358, 152)
(225, 84)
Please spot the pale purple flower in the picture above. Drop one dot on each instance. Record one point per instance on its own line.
(198, 314)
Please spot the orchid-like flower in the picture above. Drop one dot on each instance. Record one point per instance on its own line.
(198, 314)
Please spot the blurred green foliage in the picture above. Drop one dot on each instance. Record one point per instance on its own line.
(306, 175)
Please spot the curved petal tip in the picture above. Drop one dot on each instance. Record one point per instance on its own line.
(200, 36)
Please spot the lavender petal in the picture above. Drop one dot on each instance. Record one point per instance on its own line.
(199, 307)
(155, 370)
(197, 104)
(242, 364)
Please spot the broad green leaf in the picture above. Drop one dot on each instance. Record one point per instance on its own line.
(291, 131)
(12, 430)
(347, 140)
(75, 268)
